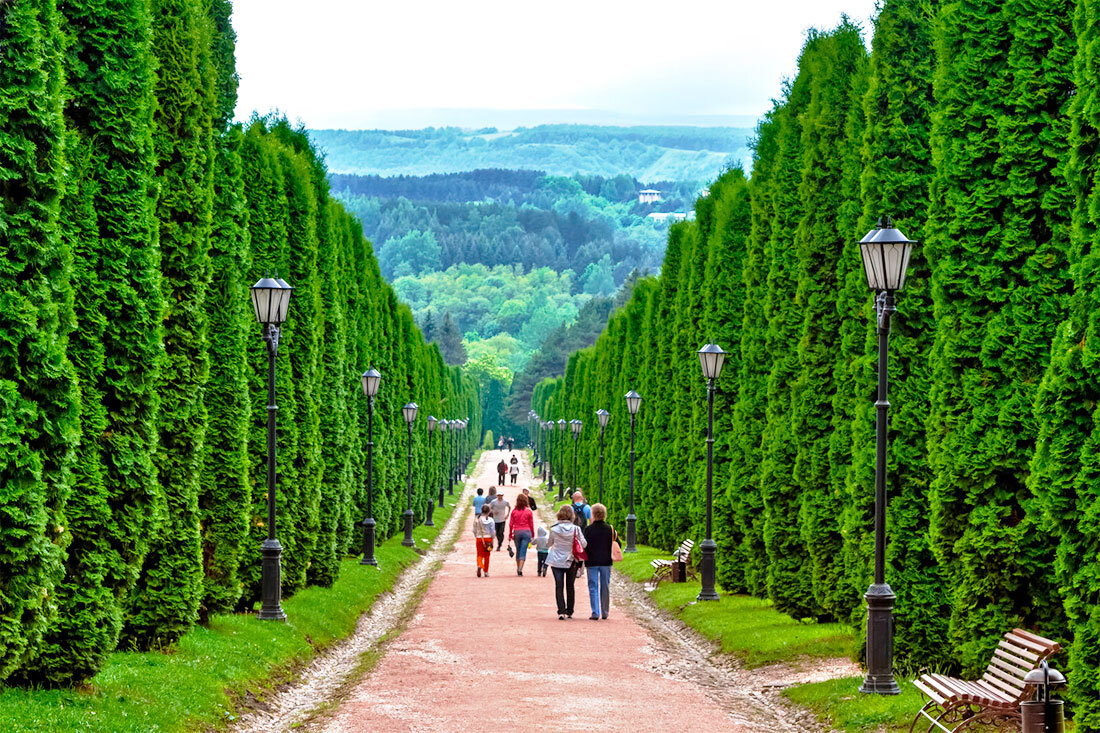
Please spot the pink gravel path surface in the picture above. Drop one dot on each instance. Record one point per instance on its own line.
(491, 654)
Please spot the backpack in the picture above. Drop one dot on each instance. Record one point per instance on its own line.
(579, 518)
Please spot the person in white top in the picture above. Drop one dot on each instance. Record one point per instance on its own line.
(561, 560)
(484, 529)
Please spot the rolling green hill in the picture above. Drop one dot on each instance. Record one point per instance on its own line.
(648, 153)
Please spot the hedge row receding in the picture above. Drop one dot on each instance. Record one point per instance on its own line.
(974, 124)
(132, 375)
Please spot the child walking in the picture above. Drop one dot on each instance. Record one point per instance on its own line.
(484, 529)
(542, 546)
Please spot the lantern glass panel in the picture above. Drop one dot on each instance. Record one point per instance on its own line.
(409, 411)
(604, 416)
(633, 402)
(264, 300)
(371, 379)
(283, 302)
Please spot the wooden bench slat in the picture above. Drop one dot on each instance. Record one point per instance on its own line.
(1053, 646)
(1022, 641)
(931, 694)
(1022, 653)
(1005, 686)
(1014, 670)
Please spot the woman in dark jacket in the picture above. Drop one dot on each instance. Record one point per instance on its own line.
(599, 535)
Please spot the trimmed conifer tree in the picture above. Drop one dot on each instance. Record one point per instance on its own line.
(38, 393)
(835, 65)
(166, 600)
(116, 347)
(1064, 467)
(998, 279)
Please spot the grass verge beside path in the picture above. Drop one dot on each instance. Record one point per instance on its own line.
(195, 684)
(840, 704)
(749, 628)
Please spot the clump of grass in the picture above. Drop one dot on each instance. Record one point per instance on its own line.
(840, 704)
(749, 628)
(197, 683)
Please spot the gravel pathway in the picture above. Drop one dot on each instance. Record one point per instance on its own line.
(492, 653)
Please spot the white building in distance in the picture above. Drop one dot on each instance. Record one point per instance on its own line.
(649, 196)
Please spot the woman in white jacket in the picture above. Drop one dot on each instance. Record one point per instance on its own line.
(562, 562)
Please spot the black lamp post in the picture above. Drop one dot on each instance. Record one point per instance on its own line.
(633, 403)
(431, 502)
(561, 460)
(463, 456)
(711, 358)
(547, 468)
(885, 252)
(270, 301)
(549, 425)
(604, 416)
(409, 411)
(370, 379)
(444, 455)
(576, 425)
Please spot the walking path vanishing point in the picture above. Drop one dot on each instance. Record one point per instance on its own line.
(492, 653)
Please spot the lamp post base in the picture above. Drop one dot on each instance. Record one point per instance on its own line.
(271, 608)
(440, 497)
(368, 542)
(880, 641)
(408, 540)
(708, 548)
(431, 510)
(631, 522)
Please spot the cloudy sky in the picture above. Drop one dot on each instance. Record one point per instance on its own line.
(412, 63)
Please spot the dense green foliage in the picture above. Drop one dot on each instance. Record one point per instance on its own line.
(132, 441)
(974, 124)
(649, 153)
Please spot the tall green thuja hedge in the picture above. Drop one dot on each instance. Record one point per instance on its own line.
(896, 172)
(166, 600)
(38, 396)
(788, 576)
(116, 348)
(749, 411)
(997, 278)
(835, 65)
(1064, 467)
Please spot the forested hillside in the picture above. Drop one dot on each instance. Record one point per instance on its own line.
(974, 124)
(505, 257)
(135, 217)
(648, 153)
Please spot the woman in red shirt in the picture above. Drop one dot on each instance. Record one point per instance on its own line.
(520, 529)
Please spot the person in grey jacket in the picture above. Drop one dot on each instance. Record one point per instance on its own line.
(562, 562)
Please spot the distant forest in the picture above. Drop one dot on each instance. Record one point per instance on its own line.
(648, 153)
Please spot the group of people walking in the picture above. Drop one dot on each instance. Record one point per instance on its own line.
(580, 540)
(509, 468)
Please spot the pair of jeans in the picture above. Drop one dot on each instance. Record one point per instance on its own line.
(522, 538)
(514, 477)
(542, 562)
(500, 534)
(564, 593)
(599, 579)
(500, 479)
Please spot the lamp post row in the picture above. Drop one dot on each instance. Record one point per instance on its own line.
(885, 252)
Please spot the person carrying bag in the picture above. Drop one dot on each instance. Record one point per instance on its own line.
(567, 541)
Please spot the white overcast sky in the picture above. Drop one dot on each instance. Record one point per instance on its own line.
(411, 63)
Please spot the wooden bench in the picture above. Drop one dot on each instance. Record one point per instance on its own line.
(956, 704)
(662, 569)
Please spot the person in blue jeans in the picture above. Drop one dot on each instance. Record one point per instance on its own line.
(599, 535)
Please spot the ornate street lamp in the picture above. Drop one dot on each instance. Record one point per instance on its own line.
(271, 301)
(561, 460)
(576, 425)
(885, 252)
(633, 403)
(711, 358)
(431, 503)
(409, 411)
(444, 454)
(371, 379)
(604, 416)
(548, 439)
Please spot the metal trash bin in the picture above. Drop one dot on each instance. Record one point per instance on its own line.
(679, 571)
(1043, 715)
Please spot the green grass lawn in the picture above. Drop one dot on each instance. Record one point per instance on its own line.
(195, 684)
(749, 628)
